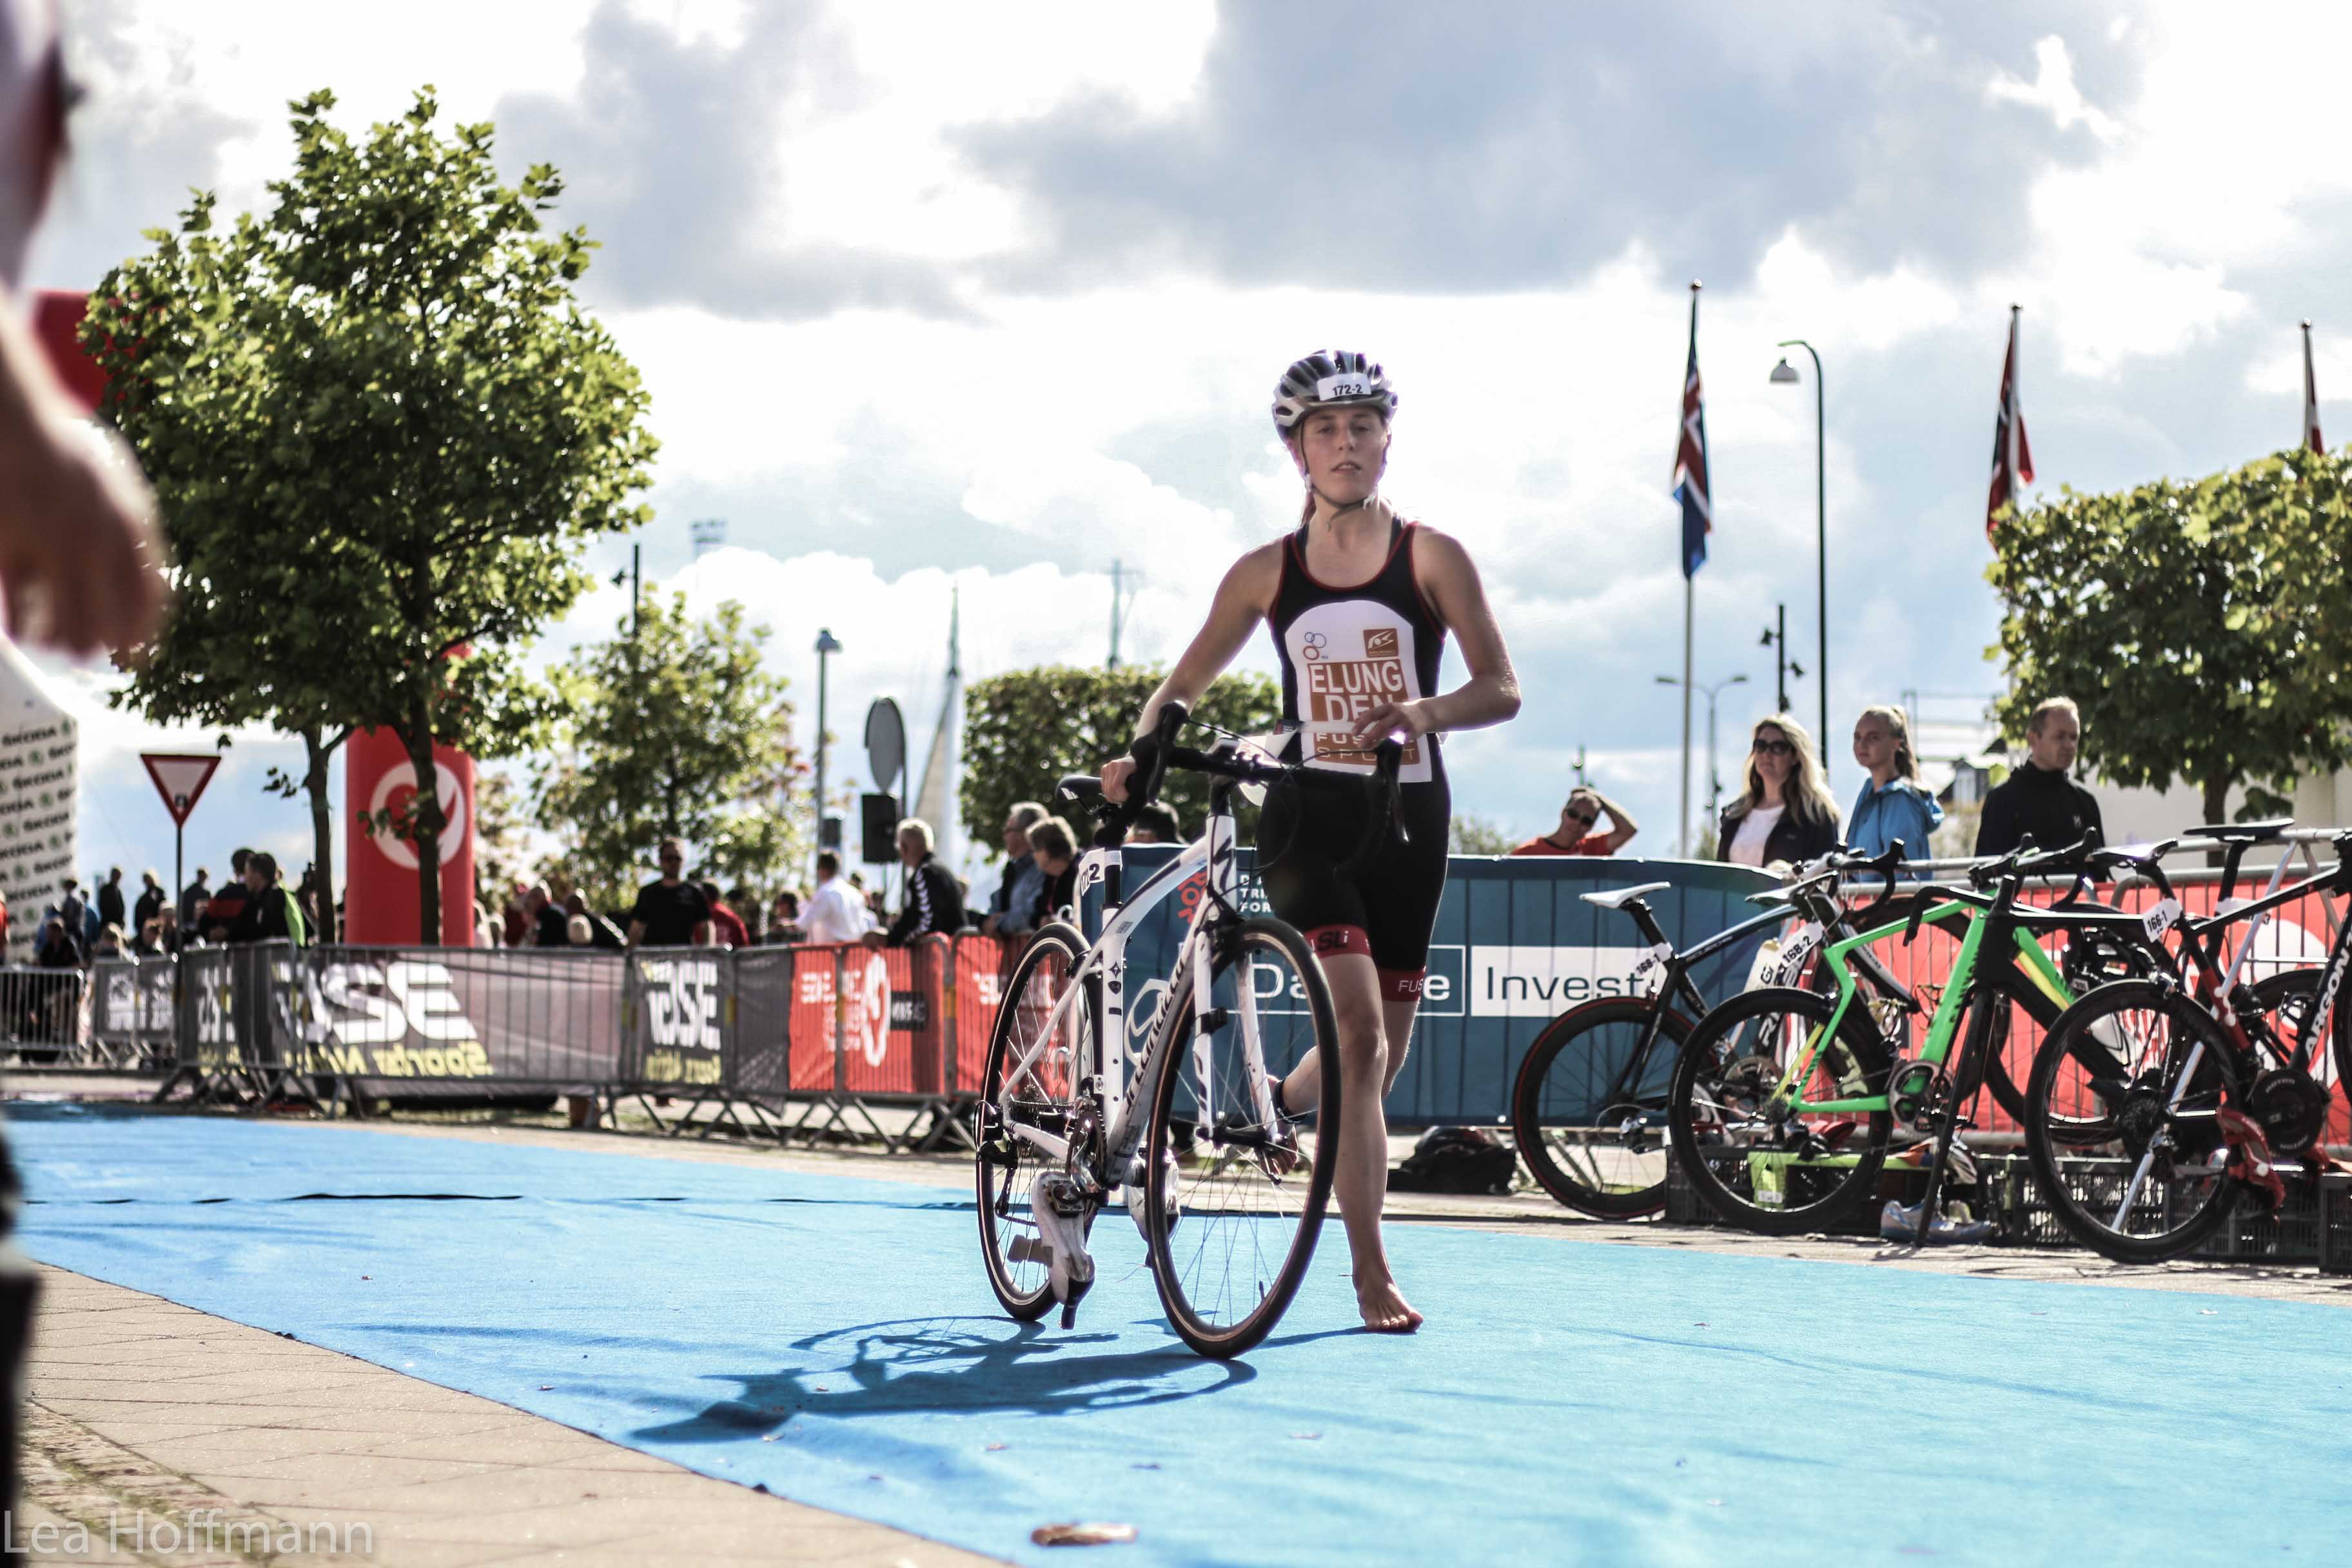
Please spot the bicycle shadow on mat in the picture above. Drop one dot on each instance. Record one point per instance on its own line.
(956, 1365)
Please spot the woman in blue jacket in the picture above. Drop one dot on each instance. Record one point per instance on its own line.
(1893, 804)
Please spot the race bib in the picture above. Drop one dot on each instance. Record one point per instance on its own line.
(2162, 918)
(1795, 951)
(1337, 388)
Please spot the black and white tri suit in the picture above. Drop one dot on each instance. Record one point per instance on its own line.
(1346, 651)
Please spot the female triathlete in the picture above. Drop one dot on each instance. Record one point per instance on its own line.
(1359, 603)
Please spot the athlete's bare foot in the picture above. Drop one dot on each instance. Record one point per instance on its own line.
(1385, 1309)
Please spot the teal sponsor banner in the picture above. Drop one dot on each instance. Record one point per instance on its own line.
(1514, 947)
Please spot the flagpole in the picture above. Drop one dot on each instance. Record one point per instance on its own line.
(1690, 584)
(2313, 440)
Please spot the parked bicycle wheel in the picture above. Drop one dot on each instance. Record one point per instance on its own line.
(1233, 1224)
(2127, 1171)
(1054, 1096)
(1754, 1165)
(1586, 1112)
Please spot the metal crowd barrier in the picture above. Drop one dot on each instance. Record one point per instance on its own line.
(45, 1012)
(794, 1041)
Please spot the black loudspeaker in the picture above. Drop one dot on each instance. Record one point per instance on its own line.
(878, 819)
(828, 833)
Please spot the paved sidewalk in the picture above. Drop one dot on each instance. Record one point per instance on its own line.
(146, 1415)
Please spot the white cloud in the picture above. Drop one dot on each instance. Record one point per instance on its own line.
(2053, 88)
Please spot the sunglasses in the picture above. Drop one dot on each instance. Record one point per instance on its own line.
(1777, 748)
(1581, 820)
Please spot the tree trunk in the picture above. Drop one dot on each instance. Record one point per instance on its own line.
(424, 821)
(322, 834)
(2217, 809)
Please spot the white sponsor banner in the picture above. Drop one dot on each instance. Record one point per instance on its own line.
(38, 800)
(1538, 982)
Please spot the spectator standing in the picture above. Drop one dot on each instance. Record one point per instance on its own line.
(110, 909)
(1784, 816)
(73, 914)
(193, 898)
(727, 927)
(934, 900)
(1055, 848)
(784, 927)
(1578, 818)
(1155, 823)
(270, 912)
(1894, 804)
(228, 901)
(601, 933)
(550, 925)
(1018, 890)
(836, 911)
(2041, 798)
(744, 900)
(149, 904)
(671, 912)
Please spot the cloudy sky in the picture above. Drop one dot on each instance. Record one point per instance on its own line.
(994, 296)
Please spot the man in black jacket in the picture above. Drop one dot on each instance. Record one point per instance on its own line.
(934, 900)
(2039, 799)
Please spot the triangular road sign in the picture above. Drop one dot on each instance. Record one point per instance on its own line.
(179, 779)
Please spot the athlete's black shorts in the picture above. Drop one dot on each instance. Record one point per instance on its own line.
(1385, 907)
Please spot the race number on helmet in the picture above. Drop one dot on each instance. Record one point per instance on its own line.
(1330, 378)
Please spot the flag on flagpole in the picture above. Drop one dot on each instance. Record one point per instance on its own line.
(2012, 456)
(1690, 459)
(2311, 436)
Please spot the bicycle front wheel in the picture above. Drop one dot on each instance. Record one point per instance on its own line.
(1589, 1108)
(1751, 1159)
(1051, 1096)
(1232, 1221)
(2130, 1158)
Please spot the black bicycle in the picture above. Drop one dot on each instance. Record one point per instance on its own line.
(1589, 1107)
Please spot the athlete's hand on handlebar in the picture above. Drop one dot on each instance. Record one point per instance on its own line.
(1115, 774)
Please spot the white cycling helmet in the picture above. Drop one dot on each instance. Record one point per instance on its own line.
(1330, 378)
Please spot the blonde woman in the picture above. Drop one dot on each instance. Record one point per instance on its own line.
(1785, 814)
(1893, 804)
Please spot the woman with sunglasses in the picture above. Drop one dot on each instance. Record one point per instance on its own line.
(1785, 814)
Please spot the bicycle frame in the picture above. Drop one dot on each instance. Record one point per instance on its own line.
(1099, 980)
(1936, 1049)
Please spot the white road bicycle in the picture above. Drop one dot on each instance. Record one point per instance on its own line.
(1229, 1194)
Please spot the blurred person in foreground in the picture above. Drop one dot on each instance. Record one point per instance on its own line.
(81, 562)
(835, 913)
(727, 927)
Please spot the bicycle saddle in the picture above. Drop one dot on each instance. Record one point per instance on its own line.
(2243, 832)
(1618, 897)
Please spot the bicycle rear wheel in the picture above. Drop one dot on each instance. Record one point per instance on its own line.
(1587, 1115)
(2129, 1172)
(1054, 1096)
(1754, 1164)
(1233, 1229)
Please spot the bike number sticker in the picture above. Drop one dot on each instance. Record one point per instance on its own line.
(2161, 919)
(1652, 962)
(1795, 950)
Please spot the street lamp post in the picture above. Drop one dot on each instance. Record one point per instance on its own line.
(827, 644)
(1785, 373)
(1714, 784)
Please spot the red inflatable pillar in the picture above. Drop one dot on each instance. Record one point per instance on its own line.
(379, 904)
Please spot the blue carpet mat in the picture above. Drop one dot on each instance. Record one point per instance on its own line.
(835, 1339)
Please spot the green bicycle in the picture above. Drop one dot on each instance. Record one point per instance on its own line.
(1784, 1101)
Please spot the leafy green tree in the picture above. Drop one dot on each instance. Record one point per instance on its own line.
(1477, 835)
(1027, 728)
(2203, 627)
(676, 732)
(383, 431)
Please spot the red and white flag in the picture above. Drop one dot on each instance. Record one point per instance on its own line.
(2311, 436)
(2012, 455)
